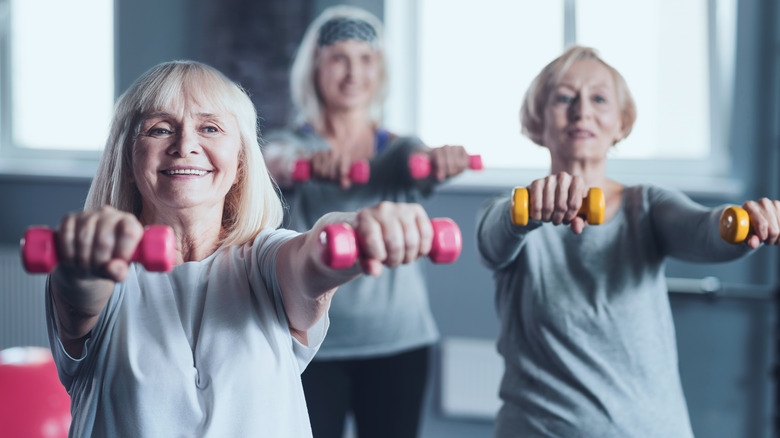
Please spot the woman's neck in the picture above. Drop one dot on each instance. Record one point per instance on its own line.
(198, 233)
(594, 176)
(350, 132)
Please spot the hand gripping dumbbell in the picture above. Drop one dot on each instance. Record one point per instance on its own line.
(359, 172)
(420, 165)
(340, 249)
(593, 206)
(734, 224)
(156, 251)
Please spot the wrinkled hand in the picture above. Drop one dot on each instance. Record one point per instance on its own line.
(391, 234)
(557, 199)
(448, 161)
(98, 244)
(764, 222)
(333, 166)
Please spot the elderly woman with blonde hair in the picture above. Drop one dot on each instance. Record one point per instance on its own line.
(216, 346)
(586, 329)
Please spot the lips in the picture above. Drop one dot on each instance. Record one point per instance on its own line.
(579, 133)
(185, 171)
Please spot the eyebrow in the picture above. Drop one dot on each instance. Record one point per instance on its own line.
(598, 86)
(165, 115)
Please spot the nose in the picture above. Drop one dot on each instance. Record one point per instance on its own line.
(352, 68)
(184, 144)
(580, 108)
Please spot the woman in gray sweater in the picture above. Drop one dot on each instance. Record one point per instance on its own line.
(587, 333)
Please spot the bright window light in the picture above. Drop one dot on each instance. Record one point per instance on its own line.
(62, 73)
(476, 61)
(665, 63)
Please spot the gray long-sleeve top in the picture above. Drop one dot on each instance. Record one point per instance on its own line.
(586, 333)
(369, 316)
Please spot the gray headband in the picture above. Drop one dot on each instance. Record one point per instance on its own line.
(338, 29)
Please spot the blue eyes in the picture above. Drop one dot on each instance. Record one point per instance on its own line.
(164, 131)
(566, 99)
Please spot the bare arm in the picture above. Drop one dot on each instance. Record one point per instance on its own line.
(280, 159)
(94, 249)
(388, 234)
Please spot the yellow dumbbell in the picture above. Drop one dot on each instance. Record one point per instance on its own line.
(734, 225)
(593, 206)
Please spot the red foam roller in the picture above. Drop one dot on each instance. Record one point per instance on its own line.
(33, 402)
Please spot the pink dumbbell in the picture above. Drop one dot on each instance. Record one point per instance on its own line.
(420, 165)
(156, 251)
(359, 172)
(340, 250)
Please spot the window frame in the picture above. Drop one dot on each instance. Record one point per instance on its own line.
(16, 160)
(706, 176)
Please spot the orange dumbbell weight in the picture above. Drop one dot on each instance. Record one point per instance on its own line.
(734, 225)
(593, 206)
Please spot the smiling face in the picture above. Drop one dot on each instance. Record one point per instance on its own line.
(347, 75)
(582, 117)
(186, 159)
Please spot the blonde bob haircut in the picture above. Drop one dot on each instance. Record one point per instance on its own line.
(538, 94)
(251, 205)
(303, 75)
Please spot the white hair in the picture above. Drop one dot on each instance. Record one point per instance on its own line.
(303, 82)
(251, 205)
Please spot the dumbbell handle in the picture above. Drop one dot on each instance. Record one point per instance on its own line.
(340, 249)
(734, 224)
(359, 172)
(156, 251)
(420, 165)
(593, 206)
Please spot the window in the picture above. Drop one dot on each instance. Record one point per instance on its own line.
(56, 77)
(473, 67)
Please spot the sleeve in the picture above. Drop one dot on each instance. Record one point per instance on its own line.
(391, 166)
(498, 240)
(267, 246)
(280, 150)
(67, 366)
(687, 230)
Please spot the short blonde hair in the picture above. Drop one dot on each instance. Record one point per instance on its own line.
(538, 93)
(303, 75)
(251, 205)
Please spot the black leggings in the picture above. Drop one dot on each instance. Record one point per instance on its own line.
(384, 394)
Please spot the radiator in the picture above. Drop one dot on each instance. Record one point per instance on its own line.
(471, 370)
(22, 305)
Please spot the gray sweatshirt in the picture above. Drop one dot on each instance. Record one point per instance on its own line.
(587, 334)
(369, 316)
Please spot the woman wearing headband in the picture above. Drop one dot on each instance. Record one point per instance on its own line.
(587, 333)
(374, 361)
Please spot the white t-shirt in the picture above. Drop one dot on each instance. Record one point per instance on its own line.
(204, 350)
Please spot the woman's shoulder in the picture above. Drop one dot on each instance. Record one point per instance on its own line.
(651, 195)
(302, 135)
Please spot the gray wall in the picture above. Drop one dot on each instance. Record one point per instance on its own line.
(726, 343)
